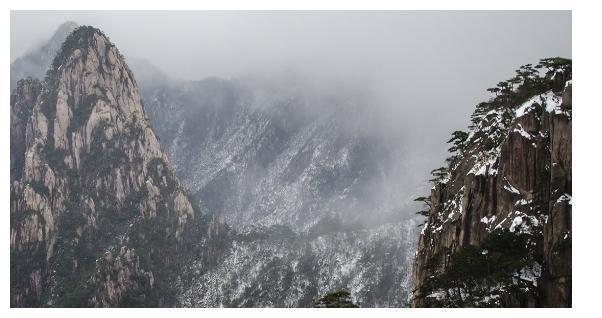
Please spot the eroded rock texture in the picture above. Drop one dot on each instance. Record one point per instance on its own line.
(513, 175)
(98, 217)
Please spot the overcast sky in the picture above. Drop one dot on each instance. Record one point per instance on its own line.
(428, 68)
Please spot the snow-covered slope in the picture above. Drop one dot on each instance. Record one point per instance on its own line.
(268, 156)
(318, 200)
(260, 158)
(277, 268)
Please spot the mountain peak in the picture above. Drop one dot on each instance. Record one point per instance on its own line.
(95, 198)
(82, 39)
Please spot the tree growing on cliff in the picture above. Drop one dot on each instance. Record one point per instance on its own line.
(338, 299)
(494, 90)
(458, 140)
(527, 73)
(426, 209)
(474, 275)
(438, 174)
(555, 63)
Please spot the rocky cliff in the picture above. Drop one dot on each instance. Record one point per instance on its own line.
(290, 171)
(22, 102)
(98, 217)
(498, 229)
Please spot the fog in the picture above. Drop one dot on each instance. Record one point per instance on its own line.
(422, 71)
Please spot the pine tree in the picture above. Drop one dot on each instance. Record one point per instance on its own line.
(338, 299)
(458, 139)
(438, 174)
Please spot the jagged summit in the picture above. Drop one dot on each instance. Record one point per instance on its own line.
(81, 38)
(98, 218)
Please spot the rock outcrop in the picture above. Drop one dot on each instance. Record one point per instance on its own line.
(22, 102)
(302, 232)
(98, 217)
(509, 186)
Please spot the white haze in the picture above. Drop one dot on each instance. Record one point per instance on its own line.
(422, 72)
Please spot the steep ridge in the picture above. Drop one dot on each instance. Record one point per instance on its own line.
(322, 160)
(338, 251)
(98, 218)
(279, 268)
(36, 61)
(22, 102)
(263, 156)
(293, 174)
(498, 229)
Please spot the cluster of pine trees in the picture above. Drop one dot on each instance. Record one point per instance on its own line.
(494, 273)
(497, 114)
(490, 275)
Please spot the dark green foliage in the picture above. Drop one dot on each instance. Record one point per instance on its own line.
(474, 273)
(509, 94)
(103, 156)
(39, 187)
(23, 111)
(427, 205)
(490, 274)
(94, 221)
(74, 298)
(82, 112)
(458, 139)
(55, 157)
(494, 90)
(438, 174)
(555, 63)
(527, 74)
(338, 299)
(158, 169)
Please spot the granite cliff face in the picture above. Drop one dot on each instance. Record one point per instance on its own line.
(22, 102)
(290, 178)
(498, 229)
(98, 217)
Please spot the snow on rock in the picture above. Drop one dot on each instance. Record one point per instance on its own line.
(510, 188)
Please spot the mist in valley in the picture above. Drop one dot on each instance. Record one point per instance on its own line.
(313, 131)
(421, 72)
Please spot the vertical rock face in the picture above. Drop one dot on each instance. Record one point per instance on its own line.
(22, 102)
(98, 217)
(226, 137)
(511, 182)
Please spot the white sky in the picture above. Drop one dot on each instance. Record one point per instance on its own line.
(427, 68)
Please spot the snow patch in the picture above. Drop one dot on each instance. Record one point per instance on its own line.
(565, 197)
(511, 189)
(522, 132)
(518, 221)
